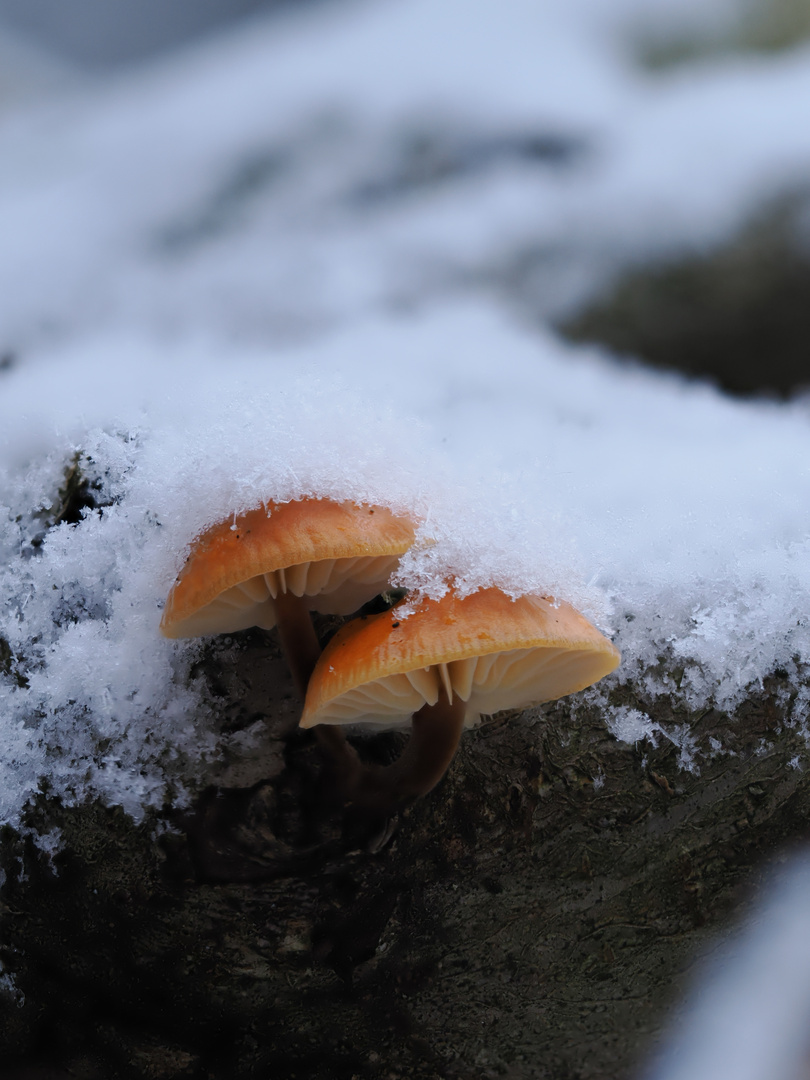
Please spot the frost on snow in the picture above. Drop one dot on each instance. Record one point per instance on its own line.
(265, 270)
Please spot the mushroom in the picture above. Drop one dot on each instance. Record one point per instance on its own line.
(272, 566)
(441, 667)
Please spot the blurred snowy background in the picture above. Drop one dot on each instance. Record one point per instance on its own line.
(103, 35)
(747, 1016)
(330, 249)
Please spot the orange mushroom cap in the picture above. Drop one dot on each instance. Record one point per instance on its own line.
(491, 651)
(338, 554)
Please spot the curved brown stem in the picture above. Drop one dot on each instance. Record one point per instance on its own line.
(298, 638)
(302, 650)
(434, 738)
(436, 729)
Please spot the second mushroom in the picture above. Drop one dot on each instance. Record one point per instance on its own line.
(440, 668)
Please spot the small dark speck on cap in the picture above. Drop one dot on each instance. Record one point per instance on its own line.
(394, 625)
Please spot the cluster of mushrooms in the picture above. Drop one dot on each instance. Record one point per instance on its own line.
(438, 666)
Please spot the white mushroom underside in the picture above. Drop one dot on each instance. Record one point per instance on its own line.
(489, 684)
(334, 586)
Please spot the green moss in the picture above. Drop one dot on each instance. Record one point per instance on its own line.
(77, 494)
(766, 26)
(9, 664)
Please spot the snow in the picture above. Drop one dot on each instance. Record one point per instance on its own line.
(748, 1018)
(265, 268)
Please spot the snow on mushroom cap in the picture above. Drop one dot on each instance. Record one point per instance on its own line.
(339, 554)
(490, 650)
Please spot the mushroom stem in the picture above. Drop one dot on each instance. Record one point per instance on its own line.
(436, 730)
(298, 638)
(302, 650)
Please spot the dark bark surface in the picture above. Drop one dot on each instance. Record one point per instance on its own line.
(534, 916)
(735, 314)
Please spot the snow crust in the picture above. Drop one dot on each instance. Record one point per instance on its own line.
(218, 289)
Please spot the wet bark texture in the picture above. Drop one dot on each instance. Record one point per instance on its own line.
(534, 916)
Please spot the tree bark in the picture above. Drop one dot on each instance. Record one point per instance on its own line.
(534, 916)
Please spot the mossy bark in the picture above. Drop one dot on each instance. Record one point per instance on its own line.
(534, 916)
(735, 315)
